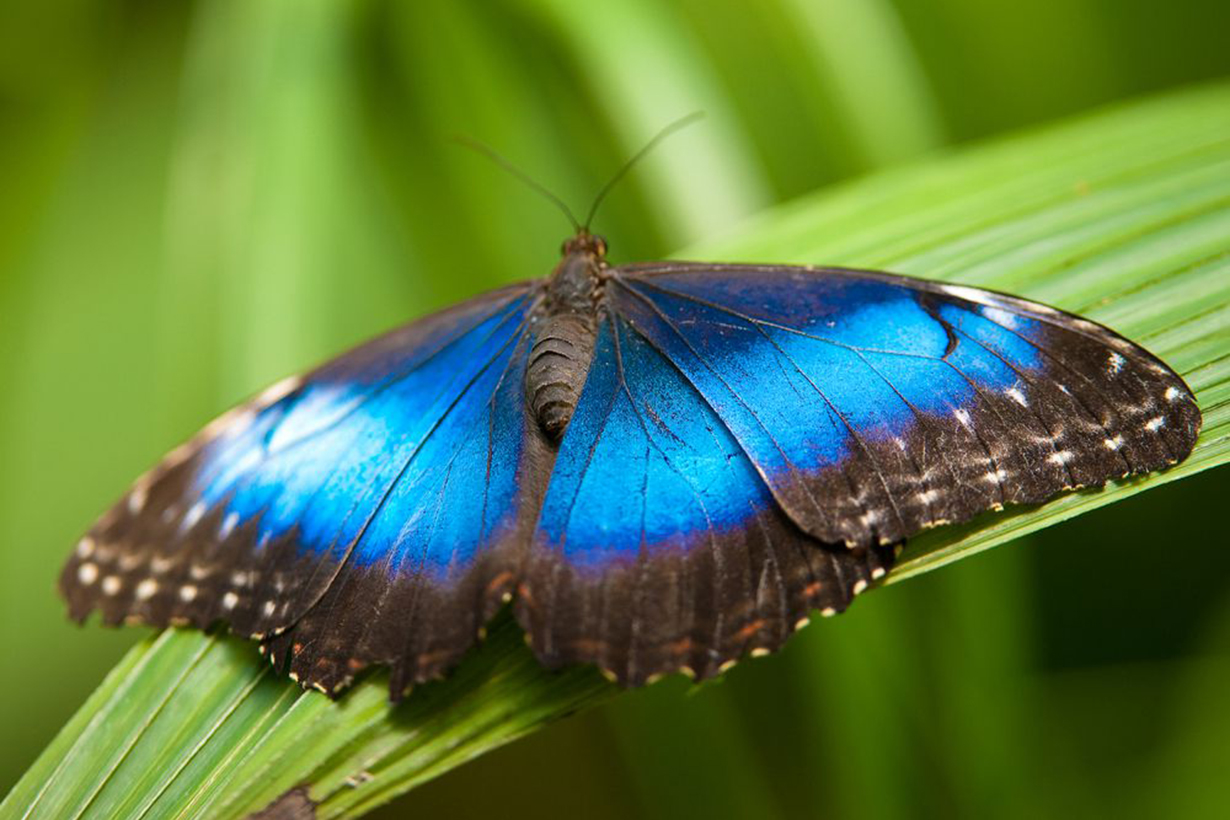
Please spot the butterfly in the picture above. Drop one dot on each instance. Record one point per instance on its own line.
(661, 467)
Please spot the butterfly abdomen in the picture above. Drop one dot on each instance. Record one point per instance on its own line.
(564, 341)
(558, 364)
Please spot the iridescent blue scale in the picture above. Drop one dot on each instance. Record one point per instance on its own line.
(662, 466)
(646, 465)
(323, 459)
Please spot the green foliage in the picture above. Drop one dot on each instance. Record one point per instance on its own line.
(202, 197)
(1134, 236)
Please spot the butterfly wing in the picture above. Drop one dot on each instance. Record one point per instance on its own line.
(750, 440)
(369, 512)
(748, 444)
(876, 405)
(659, 547)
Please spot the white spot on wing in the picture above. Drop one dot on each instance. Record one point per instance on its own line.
(85, 547)
(1173, 394)
(1060, 457)
(228, 525)
(1156, 423)
(146, 589)
(1016, 395)
(968, 294)
(279, 390)
(1000, 317)
(187, 593)
(229, 424)
(111, 585)
(87, 574)
(962, 416)
(269, 607)
(229, 600)
(1115, 363)
(194, 515)
(1113, 443)
(138, 497)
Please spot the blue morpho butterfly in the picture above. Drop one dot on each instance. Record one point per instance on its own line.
(664, 466)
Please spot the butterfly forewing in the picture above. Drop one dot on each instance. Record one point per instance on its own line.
(875, 405)
(364, 513)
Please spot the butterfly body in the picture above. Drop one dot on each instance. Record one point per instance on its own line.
(663, 467)
(564, 341)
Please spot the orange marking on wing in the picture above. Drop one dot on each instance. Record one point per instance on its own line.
(523, 592)
(432, 658)
(587, 645)
(750, 630)
(500, 580)
(681, 646)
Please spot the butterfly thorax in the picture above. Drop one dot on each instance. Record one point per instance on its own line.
(565, 332)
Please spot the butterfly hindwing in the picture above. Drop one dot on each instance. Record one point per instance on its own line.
(876, 405)
(366, 513)
(659, 547)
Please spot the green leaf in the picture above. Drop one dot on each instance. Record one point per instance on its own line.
(1122, 216)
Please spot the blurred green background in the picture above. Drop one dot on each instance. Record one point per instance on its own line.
(198, 198)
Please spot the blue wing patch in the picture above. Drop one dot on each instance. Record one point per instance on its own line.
(646, 464)
(344, 456)
(659, 547)
(875, 405)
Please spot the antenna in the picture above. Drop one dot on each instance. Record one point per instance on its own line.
(682, 122)
(491, 154)
(577, 226)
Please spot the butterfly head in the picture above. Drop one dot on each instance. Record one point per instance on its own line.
(576, 282)
(586, 244)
